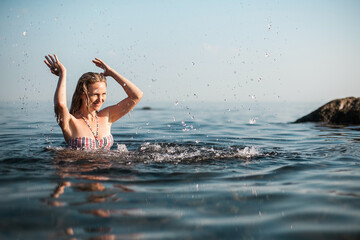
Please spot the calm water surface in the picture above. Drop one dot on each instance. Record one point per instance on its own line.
(185, 171)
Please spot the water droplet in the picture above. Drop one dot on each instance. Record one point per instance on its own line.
(124, 84)
(254, 192)
(197, 141)
(252, 121)
(24, 33)
(176, 103)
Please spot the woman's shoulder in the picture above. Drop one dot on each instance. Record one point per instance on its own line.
(104, 113)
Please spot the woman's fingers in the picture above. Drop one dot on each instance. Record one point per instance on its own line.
(48, 60)
(47, 63)
(53, 64)
(98, 63)
(52, 59)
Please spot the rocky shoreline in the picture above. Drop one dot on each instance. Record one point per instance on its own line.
(345, 111)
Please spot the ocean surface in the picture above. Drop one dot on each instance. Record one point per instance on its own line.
(181, 171)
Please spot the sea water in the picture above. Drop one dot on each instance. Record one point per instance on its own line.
(181, 171)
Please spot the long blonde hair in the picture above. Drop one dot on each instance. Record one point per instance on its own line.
(82, 88)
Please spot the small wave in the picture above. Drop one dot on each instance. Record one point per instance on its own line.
(160, 152)
(54, 149)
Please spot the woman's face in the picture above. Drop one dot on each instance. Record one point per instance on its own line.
(97, 95)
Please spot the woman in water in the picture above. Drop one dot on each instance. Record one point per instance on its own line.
(85, 126)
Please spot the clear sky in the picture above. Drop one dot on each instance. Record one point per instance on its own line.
(186, 50)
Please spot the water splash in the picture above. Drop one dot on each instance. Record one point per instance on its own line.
(122, 148)
(252, 121)
(161, 152)
(164, 152)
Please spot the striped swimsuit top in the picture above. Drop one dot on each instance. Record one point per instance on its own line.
(86, 143)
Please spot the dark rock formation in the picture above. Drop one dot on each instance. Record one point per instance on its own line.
(345, 111)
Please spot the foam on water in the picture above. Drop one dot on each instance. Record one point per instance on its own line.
(164, 152)
(122, 148)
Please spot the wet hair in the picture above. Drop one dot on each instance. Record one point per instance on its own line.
(82, 88)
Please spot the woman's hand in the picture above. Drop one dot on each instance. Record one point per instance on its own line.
(54, 64)
(99, 63)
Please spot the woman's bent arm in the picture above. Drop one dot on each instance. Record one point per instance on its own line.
(126, 105)
(134, 93)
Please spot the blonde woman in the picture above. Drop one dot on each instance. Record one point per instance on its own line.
(85, 126)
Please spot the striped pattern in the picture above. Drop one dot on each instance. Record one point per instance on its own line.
(86, 143)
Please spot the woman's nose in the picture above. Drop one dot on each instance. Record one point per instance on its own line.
(98, 99)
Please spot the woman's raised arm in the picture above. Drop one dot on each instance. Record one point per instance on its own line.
(60, 103)
(134, 93)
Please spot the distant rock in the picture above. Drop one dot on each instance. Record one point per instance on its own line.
(146, 108)
(345, 111)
